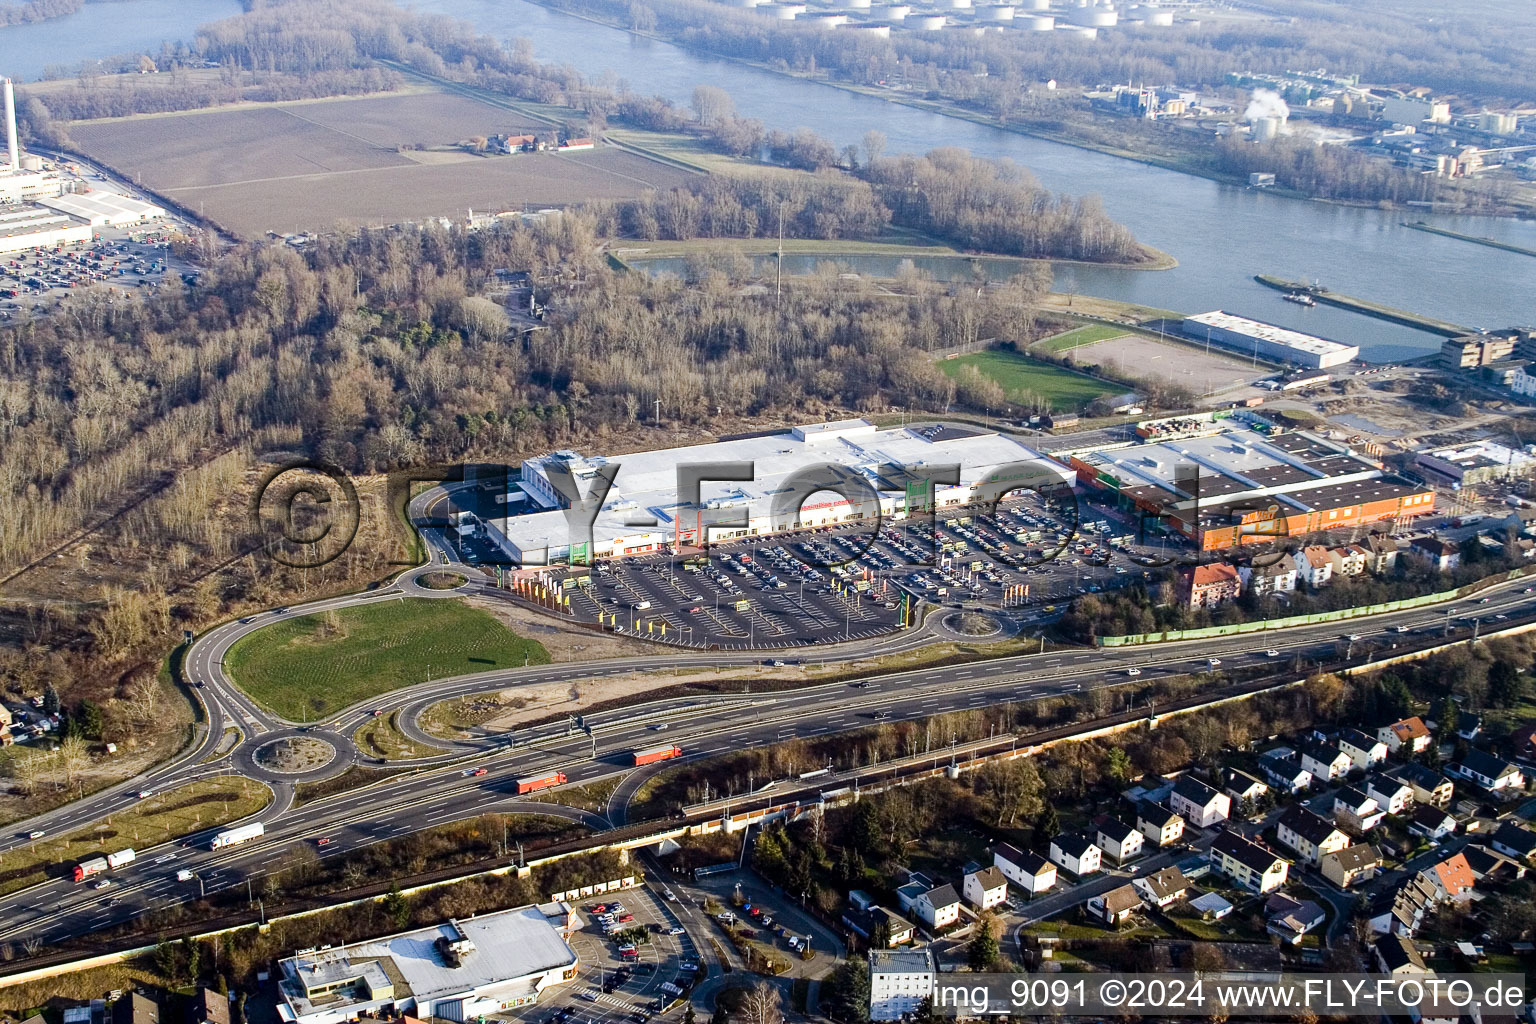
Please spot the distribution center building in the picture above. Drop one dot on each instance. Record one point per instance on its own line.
(27, 226)
(104, 209)
(458, 971)
(757, 485)
(1267, 341)
(1227, 481)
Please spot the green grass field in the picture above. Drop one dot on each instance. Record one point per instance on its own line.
(1076, 338)
(1023, 380)
(307, 668)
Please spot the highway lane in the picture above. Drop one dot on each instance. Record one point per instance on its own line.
(437, 795)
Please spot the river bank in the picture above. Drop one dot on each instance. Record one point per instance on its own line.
(1365, 306)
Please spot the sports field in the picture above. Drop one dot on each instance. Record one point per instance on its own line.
(1026, 382)
(1086, 335)
(309, 667)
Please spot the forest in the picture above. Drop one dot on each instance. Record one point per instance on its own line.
(37, 10)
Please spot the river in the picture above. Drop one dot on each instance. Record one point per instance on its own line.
(101, 30)
(1221, 235)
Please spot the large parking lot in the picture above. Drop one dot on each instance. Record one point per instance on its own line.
(622, 980)
(853, 580)
(126, 261)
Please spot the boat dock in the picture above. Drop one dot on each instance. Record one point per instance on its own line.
(1375, 309)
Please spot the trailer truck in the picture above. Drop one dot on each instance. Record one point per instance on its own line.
(240, 834)
(97, 865)
(544, 780)
(654, 754)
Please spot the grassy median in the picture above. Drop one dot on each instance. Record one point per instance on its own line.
(151, 821)
(309, 667)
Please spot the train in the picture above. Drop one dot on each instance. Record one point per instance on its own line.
(654, 754)
(544, 780)
(98, 865)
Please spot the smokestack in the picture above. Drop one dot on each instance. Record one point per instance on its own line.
(10, 126)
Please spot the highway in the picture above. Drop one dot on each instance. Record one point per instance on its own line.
(440, 790)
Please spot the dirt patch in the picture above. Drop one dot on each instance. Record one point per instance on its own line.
(296, 754)
(442, 580)
(1133, 355)
(563, 643)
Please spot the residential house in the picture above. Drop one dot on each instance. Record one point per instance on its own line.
(900, 981)
(1383, 552)
(1163, 887)
(1206, 586)
(1469, 726)
(1309, 834)
(1290, 919)
(1251, 866)
(1365, 751)
(1349, 560)
(1406, 737)
(1391, 795)
(1395, 955)
(1199, 804)
(1431, 822)
(1120, 841)
(1326, 762)
(1313, 566)
(1523, 742)
(1400, 910)
(1356, 810)
(208, 1007)
(1212, 906)
(938, 907)
(1076, 854)
(1429, 786)
(1244, 789)
(1451, 878)
(1442, 554)
(1491, 865)
(1278, 577)
(986, 888)
(869, 922)
(1160, 825)
(1114, 906)
(1029, 871)
(135, 1008)
(1513, 841)
(1285, 774)
(1492, 773)
(1352, 865)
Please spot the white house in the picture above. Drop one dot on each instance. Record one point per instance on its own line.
(1248, 864)
(1409, 735)
(1492, 773)
(1029, 871)
(1431, 822)
(1199, 804)
(1357, 810)
(1313, 566)
(1310, 835)
(1242, 787)
(1114, 906)
(1392, 795)
(1429, 786)
(1326, 763)
(1119, 840)
(899, 981)
(1160, 825)
(939, 907)
(1523, 380)
(1076, 854)
(986, 888)
(1162, 887)
(1285, 774)
(1364, 751)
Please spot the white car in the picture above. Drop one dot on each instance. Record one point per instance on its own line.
(1353, 637)
(1133, 671)
(676, 930)
(1271, 653)
(1213, 662)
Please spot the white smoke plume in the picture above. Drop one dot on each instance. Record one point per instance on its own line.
(1266, 103)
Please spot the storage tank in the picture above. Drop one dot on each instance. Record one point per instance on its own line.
(997, 13)
(928, 22)
(1081, 31)
(856, 5)
(745, 3)
(31, 162)
(825, 21)
(878, 29)
(1156, 17)
(1096, 17)
(895, 12)
(1036, 23)
(1265, 128)
(1034, 5)
(787, 12)
(956, 5)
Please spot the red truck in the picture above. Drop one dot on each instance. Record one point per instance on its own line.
(654, 754)
(529, 783)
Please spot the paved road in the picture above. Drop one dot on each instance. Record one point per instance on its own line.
(441, 790)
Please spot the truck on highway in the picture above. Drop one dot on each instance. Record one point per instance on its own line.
(544, 780)
(653, 754)
(238, 835)
(97, 865)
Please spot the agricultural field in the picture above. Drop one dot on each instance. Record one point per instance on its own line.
(312, 165)
(308, 667)
(1026, 382)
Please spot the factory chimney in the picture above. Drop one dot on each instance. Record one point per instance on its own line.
(10, 127)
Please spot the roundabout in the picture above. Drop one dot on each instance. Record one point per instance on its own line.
(296, 755)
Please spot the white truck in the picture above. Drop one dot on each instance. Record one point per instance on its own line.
(240, 834)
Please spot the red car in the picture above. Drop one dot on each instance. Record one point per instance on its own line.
(599, 908)
(479, 771)
(626, 919)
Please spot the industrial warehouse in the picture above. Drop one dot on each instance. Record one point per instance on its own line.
(456, 971)
(1267, 341)
(1222, 481)
(810, 476)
